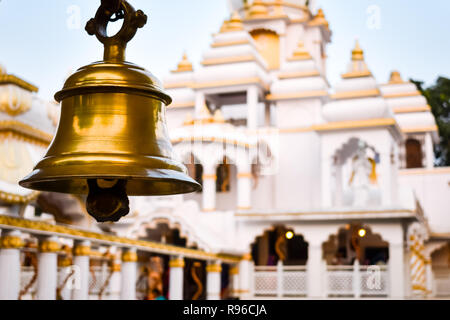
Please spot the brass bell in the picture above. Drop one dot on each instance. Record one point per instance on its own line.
(112, 141)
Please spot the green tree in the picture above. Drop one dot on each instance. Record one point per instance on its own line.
(438, 97)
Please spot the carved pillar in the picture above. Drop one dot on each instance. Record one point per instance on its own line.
(10, 245)
(244, 277)
(47, 268)
(213, 281)
(176, 280)
(128, 277)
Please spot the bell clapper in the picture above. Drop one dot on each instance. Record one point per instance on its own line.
(107, 200)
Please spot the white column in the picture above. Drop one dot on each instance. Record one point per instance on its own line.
(356, 280)
(396, 269)
(128, 276)
(199, 103)
(115, 281)
(252, 105)
(81, 262)
(429, 151)
(209, 188)
(280, 279)
(244, 187)
(244, 277)
(10, 245)
(327, 162)
(234, 281)
(176, 279)
(213, 280)
(315, 270)
(47, 268)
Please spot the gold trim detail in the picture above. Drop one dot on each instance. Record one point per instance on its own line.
(357, 74)
(64, 262)
(48, 246)
(304, 74)
(420, 129)
(402, 95)
(356, 94)
(11, 79)
(17, 199)
(61, 231)
(343, 125)
(177, 263)
(11, 242)
(82, 251)
(129, 256)
(412, 109)
(301, 95)
(234, 271)
(229, 43)
(116, 267)
(405, 172)
(26, 130)
(211, 268)
(210, 62)
(247, 257)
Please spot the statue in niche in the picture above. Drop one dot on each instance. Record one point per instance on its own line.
(364, 181)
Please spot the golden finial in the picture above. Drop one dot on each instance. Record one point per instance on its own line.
(395, 78)
(319, 20)
(258, 9)
(185, 65)
(357, 52)
(300, 53)
(234, 24)
(2, 70)
(218, 116)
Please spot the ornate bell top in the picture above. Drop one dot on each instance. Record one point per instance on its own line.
(113, 73)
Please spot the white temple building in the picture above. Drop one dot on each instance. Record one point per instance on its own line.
(309, 191)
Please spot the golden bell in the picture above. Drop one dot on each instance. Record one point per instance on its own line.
(112, 140)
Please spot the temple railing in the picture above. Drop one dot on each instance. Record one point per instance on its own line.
(441, 283)
(280, 281)
(357, 281)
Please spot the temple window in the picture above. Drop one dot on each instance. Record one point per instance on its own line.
(414, 155)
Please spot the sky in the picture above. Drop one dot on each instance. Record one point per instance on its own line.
(44, 41)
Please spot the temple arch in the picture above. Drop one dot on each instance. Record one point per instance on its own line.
(280, 243)
(355, 242)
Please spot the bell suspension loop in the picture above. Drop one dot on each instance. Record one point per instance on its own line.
(111, 11)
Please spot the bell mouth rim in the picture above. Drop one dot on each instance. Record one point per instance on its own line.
(162, 182)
